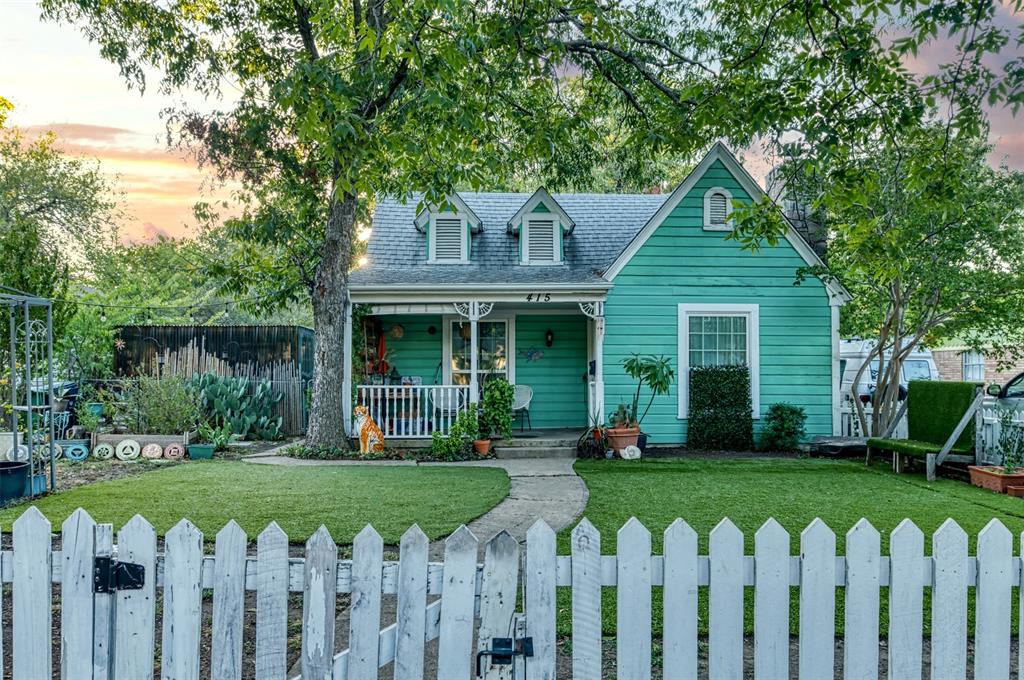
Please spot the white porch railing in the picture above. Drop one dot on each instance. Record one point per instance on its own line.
(413, 411)
(849, 424)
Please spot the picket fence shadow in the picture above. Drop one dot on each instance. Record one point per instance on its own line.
(451, 601)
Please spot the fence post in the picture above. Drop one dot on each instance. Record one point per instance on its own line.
(725, 602)
(183, 601)
(498, 598)
(78, 549)
(540, 600)
(31, 596)
(906, 601)
(104, 612)
(412, 605)
(771, 601)
(455, 647)
(949, 603)
(364, 623)
(679, 643)
(320, 576)
(817, 600)
(586, 600)
(992, 601)
(860, 648)
(633, 610)
(228, 602)
(271, 603)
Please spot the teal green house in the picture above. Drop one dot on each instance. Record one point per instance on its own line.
(554, 291)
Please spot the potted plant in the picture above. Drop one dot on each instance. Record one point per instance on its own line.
(1008, 477)
(495, 418)
(209, 439)
(655, 372)
(624, 429)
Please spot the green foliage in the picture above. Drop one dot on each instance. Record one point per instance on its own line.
(333, 103)
(1011, 439)
(935, 407)
(784, 427)
(247, 413)
(655, 372)
(460, 437)
(160, 405)
(220, 436)
(86, 417)
(622, 416)
(496, 414)
(720, 415)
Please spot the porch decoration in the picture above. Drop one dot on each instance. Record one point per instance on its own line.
(532, 354)
(371, 439)
(103, 451)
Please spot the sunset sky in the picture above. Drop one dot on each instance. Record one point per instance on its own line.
(57, 81)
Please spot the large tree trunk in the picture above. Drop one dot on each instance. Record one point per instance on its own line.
(330, 289)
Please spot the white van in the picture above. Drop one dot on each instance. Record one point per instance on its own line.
(852, 353)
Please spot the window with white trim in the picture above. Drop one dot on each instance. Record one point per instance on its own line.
(717, 206)
(492, 341)
(541, 240)
(448, 238)
(718, 335)
(974, 366)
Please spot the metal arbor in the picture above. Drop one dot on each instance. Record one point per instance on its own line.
(29, 367)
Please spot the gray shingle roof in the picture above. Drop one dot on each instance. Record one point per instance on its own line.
(605, 224)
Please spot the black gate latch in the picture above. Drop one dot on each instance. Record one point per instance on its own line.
(109, 575)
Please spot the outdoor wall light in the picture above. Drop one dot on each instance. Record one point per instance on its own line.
(549, 338)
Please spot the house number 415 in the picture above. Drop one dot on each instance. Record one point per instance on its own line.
(538, 297)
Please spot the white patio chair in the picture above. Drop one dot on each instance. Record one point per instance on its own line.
(521, 398)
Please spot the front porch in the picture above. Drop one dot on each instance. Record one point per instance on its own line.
(425, 363)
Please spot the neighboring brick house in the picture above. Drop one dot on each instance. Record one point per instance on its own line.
(957, 362)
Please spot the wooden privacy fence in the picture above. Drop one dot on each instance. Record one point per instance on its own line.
(108, 624)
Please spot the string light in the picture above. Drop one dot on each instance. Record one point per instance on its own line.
(364, 234)
(363, 260)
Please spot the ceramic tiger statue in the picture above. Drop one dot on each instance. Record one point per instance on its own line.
(371, 439)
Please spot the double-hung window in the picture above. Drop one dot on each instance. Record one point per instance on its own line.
(974, 366)
(492, 351)
(718, 335)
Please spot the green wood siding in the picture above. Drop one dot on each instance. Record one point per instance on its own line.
(417, 352)
(682, 263)
(559, 391)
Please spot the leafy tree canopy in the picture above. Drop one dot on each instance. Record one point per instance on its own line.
(331, 103)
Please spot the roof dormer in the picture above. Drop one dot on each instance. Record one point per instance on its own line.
(449, 228)
(541, 225)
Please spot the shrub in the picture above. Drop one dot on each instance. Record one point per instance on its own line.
(161, 405)
(784, 427)
(228, 401)
(935, 407)
(496, 415)
(460, 437)
(720, 409)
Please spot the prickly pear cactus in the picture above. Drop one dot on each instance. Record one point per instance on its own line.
(249, 412)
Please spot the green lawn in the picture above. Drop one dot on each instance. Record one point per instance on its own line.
(299, 499)
(794, 492)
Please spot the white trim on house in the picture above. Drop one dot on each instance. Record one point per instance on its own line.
(446, 339)
(708, 196)
(541, 195)
(837, 294)
(752, 314)
(837, 397)
(422, 217)
(464, 237)
(422, 294)
(550, 221)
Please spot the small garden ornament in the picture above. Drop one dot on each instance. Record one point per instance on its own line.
(371, 439)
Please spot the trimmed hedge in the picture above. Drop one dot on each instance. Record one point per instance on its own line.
(720, 409)
(935, 407)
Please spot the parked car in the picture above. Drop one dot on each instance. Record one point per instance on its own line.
(853, 353)
(1012, 391)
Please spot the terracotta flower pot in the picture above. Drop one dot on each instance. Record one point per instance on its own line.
(482, 446)
(621, 437)
(993, 478)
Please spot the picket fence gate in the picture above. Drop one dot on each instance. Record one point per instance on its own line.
(112, 634)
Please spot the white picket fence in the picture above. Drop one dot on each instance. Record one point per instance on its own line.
(849, 423)
(990, 427)
(116, 631)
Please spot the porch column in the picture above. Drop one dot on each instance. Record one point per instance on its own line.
(346, 372)
(474, 386)
(595, 310)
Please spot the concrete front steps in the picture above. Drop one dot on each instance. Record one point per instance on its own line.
(536, 445)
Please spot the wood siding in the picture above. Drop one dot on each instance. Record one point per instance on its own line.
(683, 263)
(557, 377)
